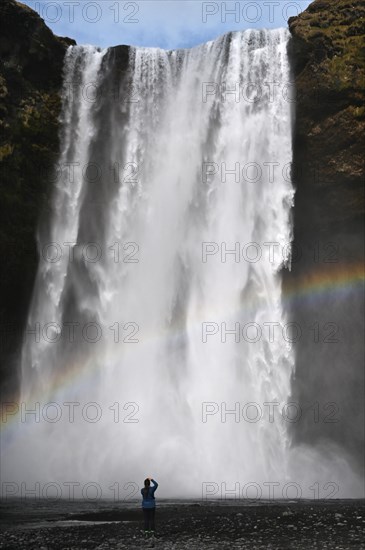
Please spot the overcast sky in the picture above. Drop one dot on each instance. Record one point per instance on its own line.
(160, 23)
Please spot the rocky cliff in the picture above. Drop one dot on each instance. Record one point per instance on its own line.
(324, 292)
(30, 81)
(328, 58)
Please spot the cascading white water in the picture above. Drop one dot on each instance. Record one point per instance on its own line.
(142, 178)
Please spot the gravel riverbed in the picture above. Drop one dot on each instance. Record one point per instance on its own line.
(278, 525)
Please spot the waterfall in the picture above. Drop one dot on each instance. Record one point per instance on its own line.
(173, 179)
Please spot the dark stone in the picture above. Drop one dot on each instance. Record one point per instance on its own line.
(30, 80)
(327, 55)
(29, 46)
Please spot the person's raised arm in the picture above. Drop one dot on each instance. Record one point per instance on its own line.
(155, 484)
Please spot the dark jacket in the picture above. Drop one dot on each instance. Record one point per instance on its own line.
(149, 502)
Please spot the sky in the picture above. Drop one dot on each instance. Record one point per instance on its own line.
(168, 24)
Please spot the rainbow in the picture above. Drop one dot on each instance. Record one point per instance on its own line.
(333, 279)
(321, 284)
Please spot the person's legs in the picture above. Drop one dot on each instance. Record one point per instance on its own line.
(146, 518)
(152, 519)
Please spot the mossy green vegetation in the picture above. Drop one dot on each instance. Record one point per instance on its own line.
(334, 33)
(328, 39)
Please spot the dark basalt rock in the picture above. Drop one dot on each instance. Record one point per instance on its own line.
(30, 80)
(323, 290)
(29, 47)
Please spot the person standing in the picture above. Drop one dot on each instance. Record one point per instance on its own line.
(149, 505)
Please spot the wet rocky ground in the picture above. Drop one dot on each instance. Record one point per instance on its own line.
(279, 525)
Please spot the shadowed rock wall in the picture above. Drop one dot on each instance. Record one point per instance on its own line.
(324, 290)
(30, 81)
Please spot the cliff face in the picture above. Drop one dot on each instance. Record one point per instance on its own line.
(30, 80)
(324, 290)
(328, 56)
